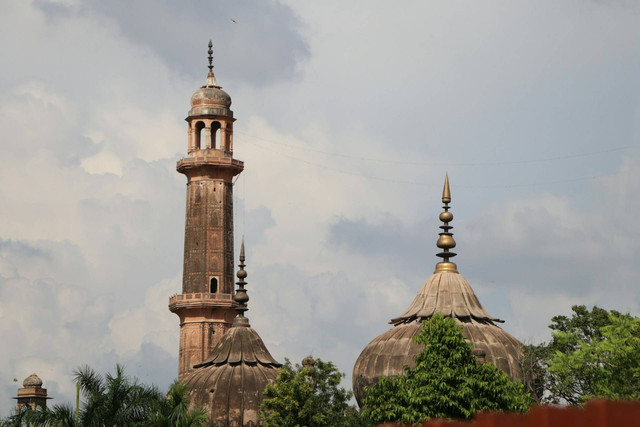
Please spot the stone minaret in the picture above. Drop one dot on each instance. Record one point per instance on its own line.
(206, 305)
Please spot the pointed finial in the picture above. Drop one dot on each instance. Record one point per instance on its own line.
(241, 296)
(446, 193)
(211, 79)
(210, 57)
(446, 241)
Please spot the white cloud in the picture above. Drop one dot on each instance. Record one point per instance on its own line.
(348, 117)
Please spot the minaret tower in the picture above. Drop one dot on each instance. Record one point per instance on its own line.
(206, 305)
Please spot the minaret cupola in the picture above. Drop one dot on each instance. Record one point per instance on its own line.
(210, 118)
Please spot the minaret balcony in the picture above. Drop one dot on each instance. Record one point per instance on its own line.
(201, 300)
(210, 159)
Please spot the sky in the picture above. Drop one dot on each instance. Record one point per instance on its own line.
(349, 114)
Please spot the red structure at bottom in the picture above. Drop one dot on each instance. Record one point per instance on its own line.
(597, 413)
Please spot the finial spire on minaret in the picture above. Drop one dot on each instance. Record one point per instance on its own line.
(446, 241)
(210, 58)
(241, 296)
(211, 79)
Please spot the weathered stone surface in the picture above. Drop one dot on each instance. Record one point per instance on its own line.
(231, 382)
(450, 294)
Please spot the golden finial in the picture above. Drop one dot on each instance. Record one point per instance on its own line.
(446, 241)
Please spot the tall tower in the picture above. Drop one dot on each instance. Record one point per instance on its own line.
(206, 305)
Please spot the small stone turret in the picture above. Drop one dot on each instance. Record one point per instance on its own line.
(32, 394)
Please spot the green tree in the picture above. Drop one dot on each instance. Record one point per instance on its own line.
(447, 382)
(115, 400)
(604, 363)
(308, 395)
(591, 354)
(175, 411)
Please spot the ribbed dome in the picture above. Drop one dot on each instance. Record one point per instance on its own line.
(231, 382)
(32, 381)
(446, 292)
(451, 295)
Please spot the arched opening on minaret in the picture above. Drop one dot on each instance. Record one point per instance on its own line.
(213, 286)
(215, 135)
(198, 135)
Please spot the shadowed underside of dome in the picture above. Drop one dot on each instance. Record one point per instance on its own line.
(231, 382)
(449, 294)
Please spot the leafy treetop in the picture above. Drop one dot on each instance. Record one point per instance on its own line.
(447, 382)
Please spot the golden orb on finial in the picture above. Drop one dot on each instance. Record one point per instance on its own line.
(446, 240)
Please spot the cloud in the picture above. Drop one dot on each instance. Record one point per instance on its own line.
(348, 117)
(267, 33)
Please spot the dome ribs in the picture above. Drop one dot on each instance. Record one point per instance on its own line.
(254, 345)
(446, 293)
(237, 346)
(458, 302)
(236, 394)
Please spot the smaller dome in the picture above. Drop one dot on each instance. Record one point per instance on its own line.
(308, 362)
(210, 99)
(231, 382)
(32, 381)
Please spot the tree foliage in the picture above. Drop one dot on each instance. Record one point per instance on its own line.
(308, 395)
(591, 354)
(447, 382)
(116, 400)
(175, 411)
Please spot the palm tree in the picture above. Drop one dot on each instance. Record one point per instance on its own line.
(115, 400)
(58, 416)
(174, 410)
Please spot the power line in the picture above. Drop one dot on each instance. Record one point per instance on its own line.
(423, 163)
(396, 181)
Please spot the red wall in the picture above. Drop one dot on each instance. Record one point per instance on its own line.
(597, 413)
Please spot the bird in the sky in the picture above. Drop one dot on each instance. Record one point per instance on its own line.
(234, 21)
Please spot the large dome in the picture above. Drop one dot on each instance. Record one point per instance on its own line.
(446, 292)
(451, 295)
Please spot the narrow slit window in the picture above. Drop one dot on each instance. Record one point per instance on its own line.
(213, 287)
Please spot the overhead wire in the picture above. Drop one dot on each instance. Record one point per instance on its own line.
(424, 163)
(397, 181)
